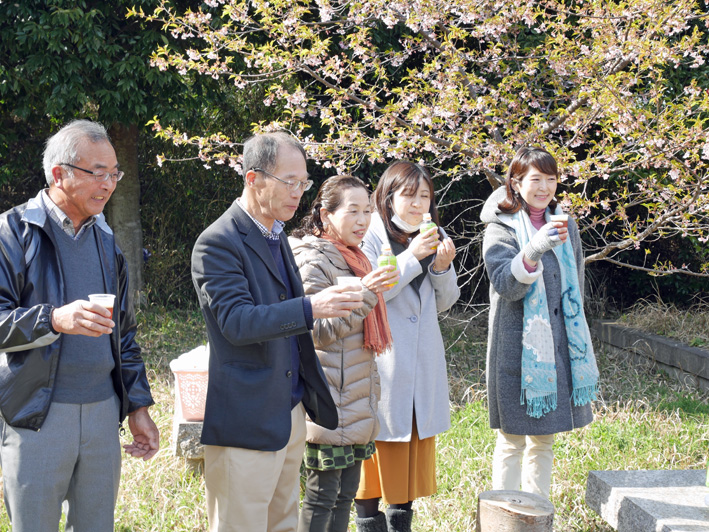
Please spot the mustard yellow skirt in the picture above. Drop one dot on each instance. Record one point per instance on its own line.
(400, 472)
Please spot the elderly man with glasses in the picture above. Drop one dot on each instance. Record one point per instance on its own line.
(264, 375)
(70, 370)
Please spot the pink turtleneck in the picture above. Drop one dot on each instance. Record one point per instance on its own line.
(536, 216)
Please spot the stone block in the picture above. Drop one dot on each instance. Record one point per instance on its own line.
(650, 500)
(185, 442)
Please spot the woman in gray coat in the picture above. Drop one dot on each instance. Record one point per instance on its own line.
(541, 370)
(414, 406)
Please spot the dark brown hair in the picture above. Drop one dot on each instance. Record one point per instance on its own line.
(404, 176)
(329, 197)
(524, 159)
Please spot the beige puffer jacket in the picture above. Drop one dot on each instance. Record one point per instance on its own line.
(351, 370)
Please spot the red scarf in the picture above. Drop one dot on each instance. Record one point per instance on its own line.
(377, 335)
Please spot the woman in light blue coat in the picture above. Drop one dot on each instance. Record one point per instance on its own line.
(414, 404)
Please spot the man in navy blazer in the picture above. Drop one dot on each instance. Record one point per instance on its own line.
(264, 374)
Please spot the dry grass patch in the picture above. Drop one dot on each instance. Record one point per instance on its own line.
(689, 326)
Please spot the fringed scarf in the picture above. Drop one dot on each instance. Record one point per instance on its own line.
(538, 366)
(377, 335)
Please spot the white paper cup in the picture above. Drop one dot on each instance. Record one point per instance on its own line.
(563, 218)
(105, 300)
(352, 283)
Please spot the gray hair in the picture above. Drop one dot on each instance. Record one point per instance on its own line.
(63, 146)
(261, 151)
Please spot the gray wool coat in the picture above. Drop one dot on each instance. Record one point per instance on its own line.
(509, 283)
(413, 373)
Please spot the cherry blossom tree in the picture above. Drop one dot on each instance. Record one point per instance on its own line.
(617, 91)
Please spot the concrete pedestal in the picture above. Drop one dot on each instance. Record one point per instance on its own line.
(185, 439)
(650, 501)
(185, 443)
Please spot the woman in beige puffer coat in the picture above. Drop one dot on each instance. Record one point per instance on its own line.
(350, 369)
(326, 246)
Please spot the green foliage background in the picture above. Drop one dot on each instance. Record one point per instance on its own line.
(79, 58)
(179, 199)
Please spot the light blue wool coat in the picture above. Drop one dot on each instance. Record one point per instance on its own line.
(509, 284)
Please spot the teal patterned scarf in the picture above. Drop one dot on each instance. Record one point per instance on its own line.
(538, 366)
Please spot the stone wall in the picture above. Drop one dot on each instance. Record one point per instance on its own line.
(689, 365)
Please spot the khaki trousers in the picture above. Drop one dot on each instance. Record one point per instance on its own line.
(524, 461)
(255, 491)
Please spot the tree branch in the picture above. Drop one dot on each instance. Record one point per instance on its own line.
(654, 271)
(403, 123)
(581, 102)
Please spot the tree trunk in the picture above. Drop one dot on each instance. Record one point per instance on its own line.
(123, 211)
(514, 511)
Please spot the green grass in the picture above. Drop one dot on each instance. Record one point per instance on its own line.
(160, 494)
(644, 420)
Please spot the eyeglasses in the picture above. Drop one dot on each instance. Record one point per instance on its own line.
(98, 176)
(292, 185)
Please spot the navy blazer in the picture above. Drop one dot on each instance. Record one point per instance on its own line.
(249, 320)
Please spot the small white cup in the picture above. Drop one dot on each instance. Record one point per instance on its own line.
(105, 300)
(353, 284)
(563, 218)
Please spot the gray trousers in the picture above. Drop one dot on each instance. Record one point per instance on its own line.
(75, 457)
(328, 499)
